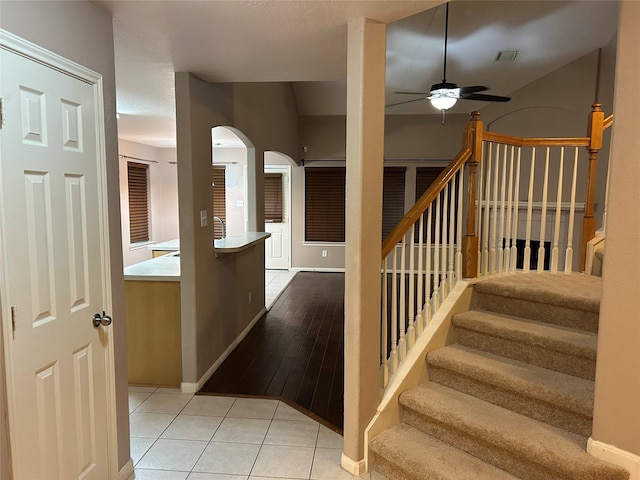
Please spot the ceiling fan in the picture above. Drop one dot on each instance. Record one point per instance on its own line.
(444, 95)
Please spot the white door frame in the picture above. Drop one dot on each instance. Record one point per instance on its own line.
(11, 42)
(285, 170)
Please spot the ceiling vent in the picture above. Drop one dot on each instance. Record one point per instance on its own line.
(507, 56)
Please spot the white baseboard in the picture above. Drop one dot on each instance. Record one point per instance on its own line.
(615, 455)
(126, 471)
(189, 387)
(313, 269)
(355, 468)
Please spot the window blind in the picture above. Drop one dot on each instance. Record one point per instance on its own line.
(324, 196)
(273, 197)
(138, 185)
(219, 200)
(425, 176)
(392, 198)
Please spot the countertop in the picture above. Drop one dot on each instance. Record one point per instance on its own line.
(167, 267)
(164, 269)
(170, 246)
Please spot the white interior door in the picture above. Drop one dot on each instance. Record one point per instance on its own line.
(277, 246)
(54, 275)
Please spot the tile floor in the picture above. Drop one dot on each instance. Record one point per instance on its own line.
(176, 436)
(275, 282)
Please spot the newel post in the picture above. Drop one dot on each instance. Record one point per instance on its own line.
(594, 132)
(473, 141)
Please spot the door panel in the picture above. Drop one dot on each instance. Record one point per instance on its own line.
(277, 246)
(53, 257)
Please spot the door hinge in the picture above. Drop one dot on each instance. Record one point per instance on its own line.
(13, 320)
(1, 114)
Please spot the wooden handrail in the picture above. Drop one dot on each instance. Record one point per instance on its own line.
(536, 142)
(424, 201)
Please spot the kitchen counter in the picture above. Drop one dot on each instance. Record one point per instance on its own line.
(164, 269)
(237, 243)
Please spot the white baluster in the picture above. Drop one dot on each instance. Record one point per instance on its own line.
(487, 207)
(428, 308)
(503, 188)
(402, 316)
(509, 238)
(443, 245)
(458, 265)
(411, 332)
(435, 302)
(568, 263)
(479, 226)
(452, 233)
(543, 213)
(420, 315)
(527, 244)
(494, 215)
(393, 358)
(516, 212)
(555, 252)
(383, 330)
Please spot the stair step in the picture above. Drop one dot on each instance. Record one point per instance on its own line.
(403, 452)
(555, 398)
(524, 447)
(568, 300)
(557, 348)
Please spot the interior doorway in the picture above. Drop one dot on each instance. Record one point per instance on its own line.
(277, 189)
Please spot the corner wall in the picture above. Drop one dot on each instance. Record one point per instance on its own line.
(83, 33)
(214, 290)
(617, 394)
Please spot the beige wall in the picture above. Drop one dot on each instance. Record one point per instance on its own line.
(163, 197)
(83, 33)
(617, 395)
(215, 307)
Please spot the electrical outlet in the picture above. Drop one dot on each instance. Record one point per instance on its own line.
(250, 298)
(324, 254)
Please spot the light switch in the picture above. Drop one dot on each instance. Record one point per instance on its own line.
(203, 218)
(239, 203)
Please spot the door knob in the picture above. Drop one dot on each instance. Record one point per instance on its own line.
(104, 320)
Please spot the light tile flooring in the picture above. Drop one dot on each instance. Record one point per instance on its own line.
(176, 436)
(275, 282)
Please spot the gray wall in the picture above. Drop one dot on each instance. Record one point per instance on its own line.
(83, 33)
(215, 307)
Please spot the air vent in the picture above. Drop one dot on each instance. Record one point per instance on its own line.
(507, 56)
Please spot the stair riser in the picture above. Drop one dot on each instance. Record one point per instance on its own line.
(541, 312)
(580, 367)
(393, 471)
(555, 415)
(502, 453)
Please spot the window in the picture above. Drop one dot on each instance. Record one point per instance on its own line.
(392, 198)
(219, 200)
(324, 197)
(138, 180)
(273, 197)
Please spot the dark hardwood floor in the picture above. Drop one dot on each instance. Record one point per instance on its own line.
(295, 352)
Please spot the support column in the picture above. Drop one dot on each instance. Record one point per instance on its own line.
(365, 142)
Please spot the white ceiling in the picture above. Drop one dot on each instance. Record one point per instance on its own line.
(304, 41)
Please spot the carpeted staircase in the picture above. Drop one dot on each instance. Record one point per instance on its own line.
(513, 396)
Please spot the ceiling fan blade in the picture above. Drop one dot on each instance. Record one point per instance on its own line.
(412, 93)
(406, 101)
(485, 98)
(472, 89)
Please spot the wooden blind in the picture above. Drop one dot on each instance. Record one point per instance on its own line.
(219, 200)
(324, 196)
(138, 179)
(425, 176)
(392, 198)
(273, 197)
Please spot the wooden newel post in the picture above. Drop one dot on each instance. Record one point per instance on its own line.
(594, 132)
(473, 139)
